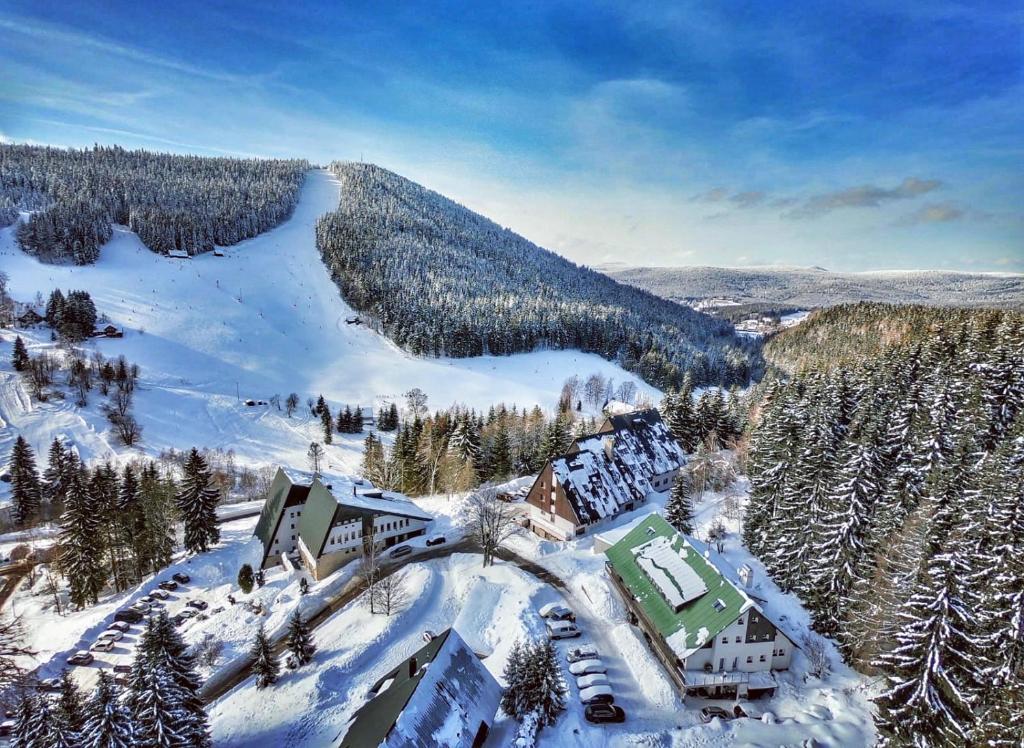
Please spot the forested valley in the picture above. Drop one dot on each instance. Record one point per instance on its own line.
(887, 471)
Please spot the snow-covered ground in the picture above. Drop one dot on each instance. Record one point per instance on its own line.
(263, 319)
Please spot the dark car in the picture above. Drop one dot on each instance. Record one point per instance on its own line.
(436, 540)
(601, 713)
(128, 615)
(198, 604)
(122, 668)
(178, 620)
(708, 713)
(81, 658)
(168, 584)
(400, 550)
(181, 578)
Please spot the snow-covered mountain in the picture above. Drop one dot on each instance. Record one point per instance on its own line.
(815, 287)
(265, 318)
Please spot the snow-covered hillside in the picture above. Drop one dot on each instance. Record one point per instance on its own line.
(263, 319)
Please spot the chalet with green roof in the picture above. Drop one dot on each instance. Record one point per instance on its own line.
(710, 635)
(323, 522)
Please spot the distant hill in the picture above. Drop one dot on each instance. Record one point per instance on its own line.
(711, 287)
(441, 280)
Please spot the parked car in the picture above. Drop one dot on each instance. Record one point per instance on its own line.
(709, 713)
(557, 612)
(141, 605)
(114, 635)
(147, 599)
(122, 668)
(186, 613)
(49, 684)
(601, 713)
(128, 615)
(436, 540)
(181, 578)
(160, 594)
(582, 652)
(121, 626)
(399, 551)
(81, 657)
(202, 617)
(594, 679)
(169, 585)
(587, 667)
(597, 695)
(562, 629)
(745, 709)
(198, 604)
(103, 645)
(178, 619)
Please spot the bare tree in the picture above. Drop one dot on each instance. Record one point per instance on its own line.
(593, 390)
(291, 403)
(819, 664)
(489, 521)
(129, 431)
(390, 594)
(315, 454)
(416, 400)
(369, 567)
(716, 535)
(275, 400)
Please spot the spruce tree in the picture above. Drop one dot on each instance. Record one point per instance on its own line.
(107, 722)
(679, 509)
(300, 641)
(265, 667)
(196, 502)
(19, 358)
(25, 489)
(57, 474)
(548, 684)
(70, 710)
(514, 698)
(246, 579)
(81, 558)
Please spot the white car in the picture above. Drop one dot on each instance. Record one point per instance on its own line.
(160, 594)
(557, 612)
(562, 630)
(594, 679)
(103, 645)
(114, 635)
(122, 626)
(597, 695)
(582, 652)
(587, 667)
(187, 613)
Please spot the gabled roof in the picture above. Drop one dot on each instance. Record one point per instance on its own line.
(439, 696)
(604, 471)
(327, 505)
(284, 492)
(686, 627)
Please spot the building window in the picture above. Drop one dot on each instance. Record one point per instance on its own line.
(767, 637)
(750, 660)
(781, 652)
(762, 658)
(739, 621)
(754, 619)
(725, 640)
(739, 639)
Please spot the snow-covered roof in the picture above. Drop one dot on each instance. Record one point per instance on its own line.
(605, 471)
(667, 568)
(439, 696)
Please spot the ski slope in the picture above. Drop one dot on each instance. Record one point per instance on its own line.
(265, 318)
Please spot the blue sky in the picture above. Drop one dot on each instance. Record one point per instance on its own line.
(853, 136)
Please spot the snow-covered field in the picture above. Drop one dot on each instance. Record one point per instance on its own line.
(263, 319)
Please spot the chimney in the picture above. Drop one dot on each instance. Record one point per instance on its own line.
(609, 447)
(353, 489)
(412, 667)
(746, 575)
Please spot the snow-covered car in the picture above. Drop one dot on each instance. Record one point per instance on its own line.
(49, 684)
(436, 540)
(123, 626)
(103, 645)
(168, 584)
(186, 613)
(582, 652)
(557, 612)
(114, 635)
(129, 615)
(709, 713)
(160, 594)
(746, 709)
(81, 657)
(198, 604)
(597, 695)
(562, 629)
(600, 713)
(587, 667)
(594, 679)
(400, 550)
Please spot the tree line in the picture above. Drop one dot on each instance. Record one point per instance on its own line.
(441, 280)
(887, 491)
(171, 201)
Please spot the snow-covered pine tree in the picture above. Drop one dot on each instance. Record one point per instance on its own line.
(70, 707)
(326, 420)
(546, 676)
(19, 357)
(57, 474)
(300, 641)
(157, 494)
(196, 502)
(81, 558)
(514, 698)
(265, 667)
(26, 495)
(107, 723)
(32, 722)
(679, 509)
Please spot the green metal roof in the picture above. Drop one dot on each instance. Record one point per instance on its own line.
(317, 517)
(698, 620)
(272, 508)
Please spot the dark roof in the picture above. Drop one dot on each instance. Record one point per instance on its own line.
(597, 485)
(283, 493)
(437, 697)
